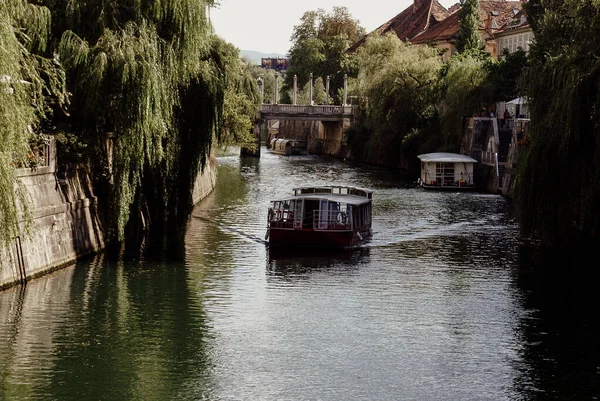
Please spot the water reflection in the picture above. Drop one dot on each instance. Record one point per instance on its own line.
(443, 303)
(298, 263)
(559, 327)
(109, 329)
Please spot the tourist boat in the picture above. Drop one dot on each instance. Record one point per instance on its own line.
(446, 171)
(284, 146)
(323, 217)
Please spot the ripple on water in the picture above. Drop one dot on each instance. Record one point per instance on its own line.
(434, 307)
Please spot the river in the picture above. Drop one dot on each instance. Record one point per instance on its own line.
(444, 303)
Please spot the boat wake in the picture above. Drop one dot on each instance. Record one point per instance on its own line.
(421, 233)
(241, 233)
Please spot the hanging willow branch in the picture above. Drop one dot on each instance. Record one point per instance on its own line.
(24, 29)
(152, 74)
(557, 192)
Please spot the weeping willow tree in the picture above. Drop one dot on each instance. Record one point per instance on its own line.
(240, 103)
(152, 76)
(462, 80)
(400, 82)
(27, 81)
(557, 190)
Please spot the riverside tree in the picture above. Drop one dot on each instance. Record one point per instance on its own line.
(462, 81)
(241, 101)
(557, 192)
(29, 85)
(150, 77)
(400, 82)
(468, 35)
(319, 44)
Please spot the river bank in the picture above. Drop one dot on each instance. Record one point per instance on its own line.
(445, 302)
(67, 223)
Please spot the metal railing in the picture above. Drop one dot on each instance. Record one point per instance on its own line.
(320, 220)
(488, 158)
(331, 220)
(282, 218)
(293, 109)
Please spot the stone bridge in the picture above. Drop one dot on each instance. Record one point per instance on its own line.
(305, 112)
(320, 127)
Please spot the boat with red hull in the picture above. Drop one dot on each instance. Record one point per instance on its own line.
(321, 217)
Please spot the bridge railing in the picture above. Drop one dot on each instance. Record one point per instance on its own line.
(306, 109)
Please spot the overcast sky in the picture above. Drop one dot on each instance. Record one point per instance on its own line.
(266, 26)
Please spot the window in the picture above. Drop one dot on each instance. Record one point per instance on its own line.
(444, 174)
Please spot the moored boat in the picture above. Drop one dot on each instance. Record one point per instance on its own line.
(283, 146)
(323, 217)
(447, 171)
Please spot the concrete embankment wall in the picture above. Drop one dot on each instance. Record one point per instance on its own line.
(66, 221)
(322, 138)
(205, 181)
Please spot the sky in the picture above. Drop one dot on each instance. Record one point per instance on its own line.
(266, 26)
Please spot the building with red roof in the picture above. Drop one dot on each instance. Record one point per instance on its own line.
(415, 19)
(427, 22)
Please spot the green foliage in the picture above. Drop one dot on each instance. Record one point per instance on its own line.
(318, 95)
(240, 104)
(319, 43)
(69, 148)
(468, 35)
(152, 74)
(503, 82)
(461, 83)
(268, 77)
(148, 76)
(27, 80)
(400, 82)
(557, 192)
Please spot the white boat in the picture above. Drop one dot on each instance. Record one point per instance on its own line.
(284, 146)
(321, 217)
(447, 171)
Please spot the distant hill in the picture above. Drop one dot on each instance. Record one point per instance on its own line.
(254, 56)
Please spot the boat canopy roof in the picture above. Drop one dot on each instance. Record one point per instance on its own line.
(442, 157)
(292, 142)
(348, 195)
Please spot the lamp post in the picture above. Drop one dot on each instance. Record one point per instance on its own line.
(310, 90)
(345, 89)
(261, 89)
(276, 88)
(295, 88)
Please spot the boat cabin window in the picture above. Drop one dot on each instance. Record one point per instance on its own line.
(310, 205)
(444, 173)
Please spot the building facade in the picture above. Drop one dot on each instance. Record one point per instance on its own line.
(515, 34)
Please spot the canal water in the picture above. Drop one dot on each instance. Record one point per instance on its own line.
(446, 302)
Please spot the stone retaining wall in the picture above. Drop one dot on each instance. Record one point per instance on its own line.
(66, 223)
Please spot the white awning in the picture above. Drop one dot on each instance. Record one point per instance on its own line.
(442, 157)
(519, 100)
